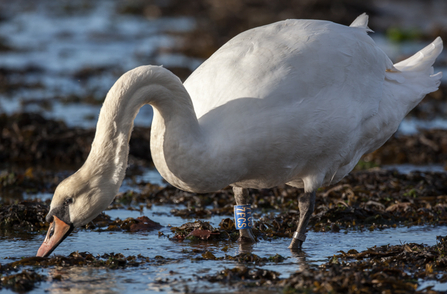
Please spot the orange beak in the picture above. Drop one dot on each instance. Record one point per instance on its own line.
(57, 232)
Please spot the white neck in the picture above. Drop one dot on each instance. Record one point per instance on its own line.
(174, 117)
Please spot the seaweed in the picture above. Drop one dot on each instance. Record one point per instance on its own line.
(23, 281)
(29, 138)
(380, 269)
(26, 215)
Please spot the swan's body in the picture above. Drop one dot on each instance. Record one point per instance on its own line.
(296, 102)
(303, 113)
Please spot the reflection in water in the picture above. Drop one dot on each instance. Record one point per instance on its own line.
(300, 258)
(182, 266)
(246, 247)
(85, 280)
(8, 235)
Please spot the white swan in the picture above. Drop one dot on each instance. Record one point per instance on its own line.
(296, 102)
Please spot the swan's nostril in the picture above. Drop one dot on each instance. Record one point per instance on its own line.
(51, 232)
(49, 218)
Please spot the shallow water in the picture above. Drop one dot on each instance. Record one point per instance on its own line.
(408, 168)
(410, 126)
(181, 272)
(318, 248)
(89, 37)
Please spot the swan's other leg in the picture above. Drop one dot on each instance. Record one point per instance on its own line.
(306, 206)
(241, 196)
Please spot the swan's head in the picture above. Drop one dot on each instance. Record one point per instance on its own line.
(76, 201)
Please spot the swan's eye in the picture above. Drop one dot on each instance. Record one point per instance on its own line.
(68, 201)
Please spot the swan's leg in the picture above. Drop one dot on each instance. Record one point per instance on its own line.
(242, 197)
(306, 205)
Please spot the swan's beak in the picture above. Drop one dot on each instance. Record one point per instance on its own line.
(57, 232)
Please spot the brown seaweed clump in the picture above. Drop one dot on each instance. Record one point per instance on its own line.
(380, 269)
(199, 230)
(29, 138)
(30, 216)
(22, 282)
(365, 200)
(383, 269)
(109, 260)
(30, 181)
(245, 277)
(139, 224)
(103, 222)
(426, 147)
(26, 215)
(28, 278)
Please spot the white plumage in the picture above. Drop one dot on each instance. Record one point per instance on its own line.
(296, 102)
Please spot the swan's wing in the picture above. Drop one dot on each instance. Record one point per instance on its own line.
(290, 62)
(301, 100)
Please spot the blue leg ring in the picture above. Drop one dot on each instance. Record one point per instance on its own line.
(243, 217)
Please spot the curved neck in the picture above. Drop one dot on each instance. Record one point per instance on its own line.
(143, 85)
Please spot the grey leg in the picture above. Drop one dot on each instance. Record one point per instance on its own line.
(241, 196)
(306, 205)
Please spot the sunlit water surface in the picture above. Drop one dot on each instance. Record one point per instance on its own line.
(183, 272)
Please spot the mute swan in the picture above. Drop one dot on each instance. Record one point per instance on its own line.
(296, 102)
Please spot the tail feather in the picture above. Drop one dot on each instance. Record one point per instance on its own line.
(417, 71)
(411, 79)
(422, 60)
(361, 22)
